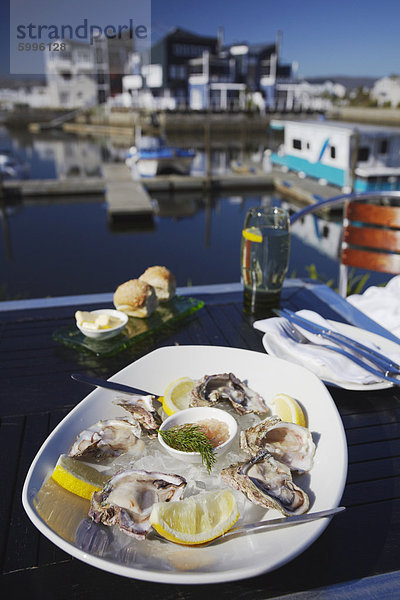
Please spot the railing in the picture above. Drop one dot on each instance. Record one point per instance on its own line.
(341, 199)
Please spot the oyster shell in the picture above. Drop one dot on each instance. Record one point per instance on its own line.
(267, 482)
(128, 497)
(226, 386)
(107, 438)
(143, 411)
(287, 442)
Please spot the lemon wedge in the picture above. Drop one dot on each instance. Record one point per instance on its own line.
(77, 477)
(288, 409)
(197, 519)
(177, 395)
(253, 234)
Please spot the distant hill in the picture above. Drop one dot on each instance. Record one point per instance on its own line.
(349, 82)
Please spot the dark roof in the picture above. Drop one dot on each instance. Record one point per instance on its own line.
(179, 33)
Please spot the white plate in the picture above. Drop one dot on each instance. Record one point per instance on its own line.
(385, 345)
(237, 558)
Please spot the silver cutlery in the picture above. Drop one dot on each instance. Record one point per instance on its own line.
(295, 335)
(111, 385)
(389, 366)
(269, 525)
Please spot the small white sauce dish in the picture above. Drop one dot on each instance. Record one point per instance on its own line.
(193, 415)
(104, 334)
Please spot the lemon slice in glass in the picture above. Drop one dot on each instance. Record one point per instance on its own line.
(253, 234)
(177, 395)
(77, 477)
(197, 519)
(288, 409)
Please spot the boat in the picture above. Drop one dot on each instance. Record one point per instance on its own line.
(354, 157)
(153, 156)
(11, 167)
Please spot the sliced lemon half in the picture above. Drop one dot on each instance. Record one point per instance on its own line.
(177, 395)
(77, 477)
(197, 519)
(288, 409)
(253, 234)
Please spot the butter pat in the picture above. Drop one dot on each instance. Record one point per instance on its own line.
(96, 322)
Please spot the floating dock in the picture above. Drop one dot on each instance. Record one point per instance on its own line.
(304, 190)
(126, 197)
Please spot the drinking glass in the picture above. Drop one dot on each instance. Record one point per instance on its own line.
(264, 258)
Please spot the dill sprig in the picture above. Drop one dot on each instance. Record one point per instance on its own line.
(190, 438)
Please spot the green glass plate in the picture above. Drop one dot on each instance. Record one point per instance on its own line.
(136, 329)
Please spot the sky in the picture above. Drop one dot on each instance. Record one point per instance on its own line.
(342, 37)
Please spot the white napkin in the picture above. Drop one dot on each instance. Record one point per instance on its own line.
(328, 365)
(382, 304)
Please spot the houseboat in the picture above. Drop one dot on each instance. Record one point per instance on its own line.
(354, 157)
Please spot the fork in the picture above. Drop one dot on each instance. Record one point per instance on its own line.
(272, 524)
(294, 334)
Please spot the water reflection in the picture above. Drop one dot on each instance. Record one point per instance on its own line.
(65, 245)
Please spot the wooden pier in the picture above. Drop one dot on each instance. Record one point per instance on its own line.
(303, 190)
(125, 197)
(128, 198)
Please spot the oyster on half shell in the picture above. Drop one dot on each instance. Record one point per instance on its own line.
(143, 411)
(267, 482)
(108, 438)
(128, 497)
(287, 442)
(226, 386)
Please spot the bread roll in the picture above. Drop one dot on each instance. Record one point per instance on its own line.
(135, 298)
(162, 280)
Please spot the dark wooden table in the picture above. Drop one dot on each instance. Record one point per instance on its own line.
(357, 556)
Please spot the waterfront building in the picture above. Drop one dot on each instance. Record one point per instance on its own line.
(171, 55)
(230, 79)
(386, 91)
(212, 83)
(84, 74)
(71, 76)
(35, 96)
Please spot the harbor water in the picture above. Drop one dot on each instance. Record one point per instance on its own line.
(55, 246)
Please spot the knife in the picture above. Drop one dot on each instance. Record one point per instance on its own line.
(111, 385)
(372, 355)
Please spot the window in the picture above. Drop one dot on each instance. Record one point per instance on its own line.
(99, 55)
(177, 71)
(383, 147)
(64, 98)
(297, 144)
(333, 152)
(363, 154)
(188, 50)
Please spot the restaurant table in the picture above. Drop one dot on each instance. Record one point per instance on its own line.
(357, 555)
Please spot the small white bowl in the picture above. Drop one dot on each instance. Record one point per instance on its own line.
(104, 334)
(193, 415)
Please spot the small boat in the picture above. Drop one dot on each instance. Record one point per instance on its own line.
(354, 157)
(244, 168)
(153, 156)
(11, 167)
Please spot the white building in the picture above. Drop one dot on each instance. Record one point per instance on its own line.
(387, 90)
(311, 96)
(71, 78)
(36, 96)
